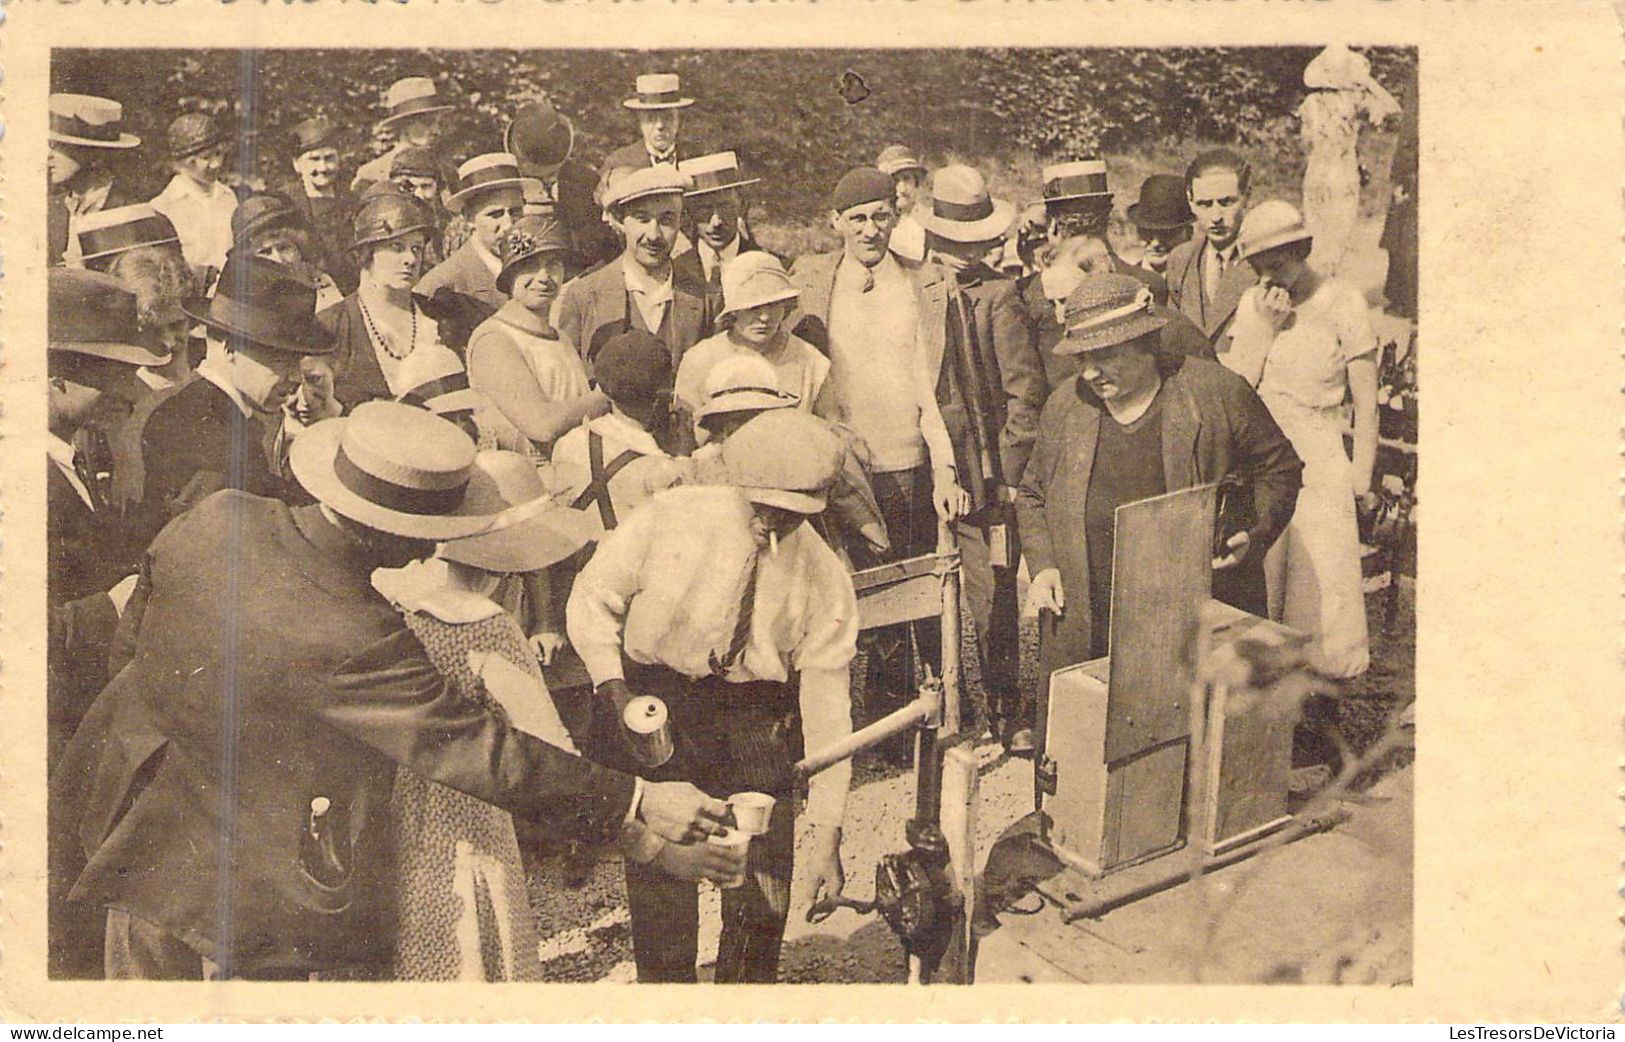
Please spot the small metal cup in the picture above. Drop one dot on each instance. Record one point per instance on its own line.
(648, 726)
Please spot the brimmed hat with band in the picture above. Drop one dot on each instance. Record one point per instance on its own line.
(265, 303)
(784, 458)
(713, 173)
(539, 135)
(191, 133)
(312, 134)
(388, 214)
(445, 391)
(1162, 204)
(963, 211)
(412, 96)
(94, 315)
(258, 214)
(642, 182)
(744, 383)
(1105, 310)
(487, 173)
(897, 159)
(529, 237)
(397, 469)
(84, 119)
(1077, 179)
(752, 279)
(658, 90)
(1272, 223)
(543, 531)
(107, 233)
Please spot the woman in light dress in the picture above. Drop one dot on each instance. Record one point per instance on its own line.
(1306, 343)
(1341, 94)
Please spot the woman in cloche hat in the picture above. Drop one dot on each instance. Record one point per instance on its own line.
(1305, 341)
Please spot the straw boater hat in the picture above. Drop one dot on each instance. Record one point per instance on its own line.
(191, 133)
(658, 90)
(1272, 223)
(487, 173)
(397, 469)
(94, 315)
(752, 279)
(963, 211)
(539, 135)
(388, 214)
(312, 134)
(743, 383)
(444, 389)
(714, 173)
(642, 182)
(89, 121)
(107, 233)
(1105, 310)
(529, 237)
(784, 458)
(897, 159)
(265, 303)
(1162, 204)
(545, 532)
(412, 96)
(1073, 180)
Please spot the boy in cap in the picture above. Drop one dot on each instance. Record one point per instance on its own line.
(490, 197)
(659, 103)
(415, 109)
(86, 131)
(644, 290)
(720, 601)
(195, 201)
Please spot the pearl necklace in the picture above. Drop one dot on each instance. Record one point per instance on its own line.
(384, 338)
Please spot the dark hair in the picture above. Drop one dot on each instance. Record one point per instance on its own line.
(1220, 159)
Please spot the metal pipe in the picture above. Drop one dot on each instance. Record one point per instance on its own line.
(919, 711)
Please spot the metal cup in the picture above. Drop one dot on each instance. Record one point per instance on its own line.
(752, 811)
(648, 726)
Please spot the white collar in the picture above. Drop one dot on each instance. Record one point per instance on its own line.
(182, 185)
(727, 253)
(619, 428)
(639, 281)
(492, 262)
(153, 378)
(213, 369)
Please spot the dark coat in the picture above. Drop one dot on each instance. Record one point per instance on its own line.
(1179, 337)
(1184, 279)
(634, 154)
(597, 302)
(595, 242)
(1213, 425)
(193, 780)
(690, 259)
(331, 224)
(463, 272)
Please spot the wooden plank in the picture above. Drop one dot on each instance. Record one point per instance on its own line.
(1161, 575)
(916, 598)
(961, 783)
(1144, 803)
(1077, 743)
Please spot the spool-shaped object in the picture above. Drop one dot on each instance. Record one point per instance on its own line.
(648, 727)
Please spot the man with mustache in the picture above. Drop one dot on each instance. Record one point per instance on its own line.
(643, 290)
(1206, 276)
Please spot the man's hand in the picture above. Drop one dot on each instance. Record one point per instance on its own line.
(692, 862)
(679, 812)
(546, 645)
(1275, 305)
(950, 500)
(1046, 593)
(822, 880)
(1238, 545)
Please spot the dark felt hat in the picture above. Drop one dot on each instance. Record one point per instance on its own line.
(265, 303)
(94, 315)
(312, 134)
(192, 132)
(1162, 203)
(539, 136)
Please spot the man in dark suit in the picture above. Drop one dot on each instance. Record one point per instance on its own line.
(320, 196)
(1206, 276)
(490, 196)
(562, 187)
(232, 789)
(990, 388)
(643, 290)
(713, 207)
(659, 103)
(85, 132)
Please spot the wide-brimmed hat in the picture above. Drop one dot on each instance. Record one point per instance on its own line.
(713, 173)
(539, 135)
(1272, 223)
(388, 214)
(487, 173)
(963, 211)
(1075, 179)
(896, 159)
(412, 96)
(631, 364)
(1162, 204)
(312, 134)
(84, 119)
(643, 182)
(529, 237)
(1107, 309)
(658, 90)
(94, 314)
(398, 469)
(444, 389)
(543, 531)
(259, 214)
(784, 458)
(191, 133)
(754, 278)
(106, 233)
(265, 303)
(743, 383)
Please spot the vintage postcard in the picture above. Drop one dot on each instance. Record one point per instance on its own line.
(923, 504)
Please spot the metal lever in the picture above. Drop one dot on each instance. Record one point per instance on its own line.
(822, 910)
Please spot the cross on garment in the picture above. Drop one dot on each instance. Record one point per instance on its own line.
(598, 488)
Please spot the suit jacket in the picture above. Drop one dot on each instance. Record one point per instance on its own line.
(597, 303)
(634, 154)
(330, 221)
(244, 703)
(814, 277)
(463, 272)
(690, 259)
(1185, 294)
(1213, 425)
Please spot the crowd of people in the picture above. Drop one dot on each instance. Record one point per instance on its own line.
(383, 503)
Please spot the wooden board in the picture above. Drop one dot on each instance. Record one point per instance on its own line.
(899, 592)
(1161, 574)
(1145, 803)
(961, 784)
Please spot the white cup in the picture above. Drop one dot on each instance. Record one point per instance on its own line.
(752, 811)
(734, 839)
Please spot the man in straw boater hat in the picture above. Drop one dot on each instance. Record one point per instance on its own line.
(908, 174)
(1077, 201)
(861, 306)
(85, 132)
(1207, 276)
(713, 206)
(1137, 422)
(195, 200)
(643, 290)
(561, 186)
(990, 386)
(721, 602)
(253, 739)
(138, 246)
(658, 100)
(322, 198)
(490, 196)
(415, 109)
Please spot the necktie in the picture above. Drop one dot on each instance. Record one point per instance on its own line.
(741, 636)
(868, 279)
